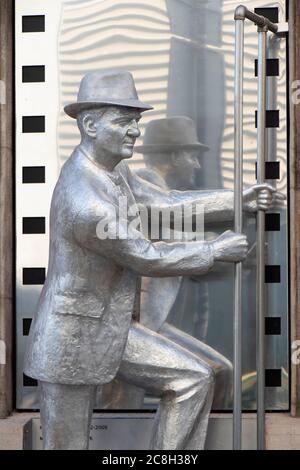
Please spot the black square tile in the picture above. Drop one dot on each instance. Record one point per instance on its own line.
(33, 174)
(272, 222)
(272, 67)
(33, 124)
(33, 24)
(34, 224)
(33, 73)
(34, 276)
(273, 325)
(271, 13)
(29, 382)
(273, 377)
(272, 118)
(26, 326)
(272, 274)
(272, 170)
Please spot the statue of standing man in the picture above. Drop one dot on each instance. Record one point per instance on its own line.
(84, 333)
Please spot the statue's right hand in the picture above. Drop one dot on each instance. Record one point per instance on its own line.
(230, 246)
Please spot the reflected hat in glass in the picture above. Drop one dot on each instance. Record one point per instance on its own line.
(162, 135)
(113, 87)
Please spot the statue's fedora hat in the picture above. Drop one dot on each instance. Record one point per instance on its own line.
(112, 87)
(168, 134)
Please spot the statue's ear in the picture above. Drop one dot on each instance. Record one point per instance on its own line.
(88, 123)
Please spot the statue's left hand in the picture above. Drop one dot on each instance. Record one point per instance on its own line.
(261, 197)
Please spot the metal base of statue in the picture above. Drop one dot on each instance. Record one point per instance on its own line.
(132, 431)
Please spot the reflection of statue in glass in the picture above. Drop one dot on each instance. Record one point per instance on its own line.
(173, 155)
(84, 333)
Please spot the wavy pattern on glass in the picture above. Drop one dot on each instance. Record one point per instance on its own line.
(182, 57)
(106, 34)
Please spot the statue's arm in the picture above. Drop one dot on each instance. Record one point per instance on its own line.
(154, 259)
(216, 204)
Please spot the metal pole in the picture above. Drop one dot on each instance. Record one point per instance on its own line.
(260, 310)
(242, 12)
(264, 25)
(238, 219)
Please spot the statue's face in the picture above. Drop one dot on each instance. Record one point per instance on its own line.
(116, 130)
(186, 166)
(183, 165)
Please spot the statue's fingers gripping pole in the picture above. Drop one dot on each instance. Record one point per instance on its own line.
(264, 25)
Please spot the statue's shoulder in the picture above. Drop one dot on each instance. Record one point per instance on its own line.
(152, 176)
(82, 173)
(81, 186)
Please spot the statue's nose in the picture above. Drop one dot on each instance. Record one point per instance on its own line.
(134, 131)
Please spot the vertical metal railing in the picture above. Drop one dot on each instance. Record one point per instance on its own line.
(264, 25)
(260, 246)
(238, 220)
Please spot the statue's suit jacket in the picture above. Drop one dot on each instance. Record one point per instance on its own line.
(80, 329)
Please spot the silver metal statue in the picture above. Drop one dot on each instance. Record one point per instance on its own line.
(84, 333)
